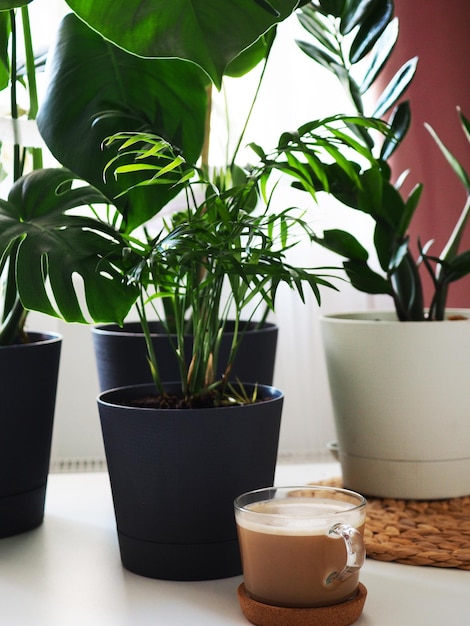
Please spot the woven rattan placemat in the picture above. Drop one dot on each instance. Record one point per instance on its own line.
(415, 532)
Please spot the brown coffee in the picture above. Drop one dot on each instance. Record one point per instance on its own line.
(292, 562)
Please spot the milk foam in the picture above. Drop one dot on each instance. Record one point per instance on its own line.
(298, 516)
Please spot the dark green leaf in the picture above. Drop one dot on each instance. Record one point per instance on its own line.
(384, 244)
(4, 48)
(396, 258)
(325, 59)
(380, 199)
(371, 28)
(399, 125)
(371, 196)
(5, 5)
(406, 285)
(333, 7)
(56, 246)
(458, 267)
(249, 58)
(411, 205)
(354, 13)
(363, 278)
(355, 94)
(185, 29)
(320, 28)
(465, 123)
(396, 87)
(344, 244)
(380, 54)
(96, 90)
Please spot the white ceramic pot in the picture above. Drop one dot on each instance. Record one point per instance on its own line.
(401, 399)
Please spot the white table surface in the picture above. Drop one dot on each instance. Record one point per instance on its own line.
(68, 572)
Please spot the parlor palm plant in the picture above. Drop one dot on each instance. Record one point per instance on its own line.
(221, 258)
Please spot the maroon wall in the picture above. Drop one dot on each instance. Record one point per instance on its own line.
(438, 32)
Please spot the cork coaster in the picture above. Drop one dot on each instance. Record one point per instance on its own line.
(434, 533)
(343, 614)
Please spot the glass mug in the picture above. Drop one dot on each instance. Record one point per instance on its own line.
(301, 546)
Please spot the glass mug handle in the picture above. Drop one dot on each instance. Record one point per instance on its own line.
(355, 552)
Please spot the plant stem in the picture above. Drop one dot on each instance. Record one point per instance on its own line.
(250, 112)
(149, 345)
(31, 78)
(13, 324)
(17, 166)
(207, 131)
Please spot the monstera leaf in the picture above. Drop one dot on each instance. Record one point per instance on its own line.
(209, 33)
(96, 89)
(6, 5)
(49, 247)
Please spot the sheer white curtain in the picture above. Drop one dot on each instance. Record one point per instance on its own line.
(294, 91)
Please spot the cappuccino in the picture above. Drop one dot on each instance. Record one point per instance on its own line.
(291, 554)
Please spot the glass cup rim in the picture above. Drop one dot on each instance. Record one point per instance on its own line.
(354, 495)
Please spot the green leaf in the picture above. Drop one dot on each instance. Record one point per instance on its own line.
(363, 278)
(333, 7)
(380, 54)
(465, 124)
(6, 5)
(370, 29)
(451, 248)
(201, 31)
(249, 58)
(406, 284)
(400, 122)
(384, 242)
(371, 195)
(320, 28)
(411, 205)
(396, 259)
(96, 90)
(344, 244)
(396, 87)
(354, 13)
(451, 159)
(5, 29)
(56, 246)
(322, 57)
(458, 267)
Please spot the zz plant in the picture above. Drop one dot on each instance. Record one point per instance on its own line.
(354, 40)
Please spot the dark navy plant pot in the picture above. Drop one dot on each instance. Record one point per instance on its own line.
(28, 383)
(121, 355)
(174, 475)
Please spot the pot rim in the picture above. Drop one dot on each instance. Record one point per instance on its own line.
(37, 338)
(273, 394)
(388, 315)
(111, 329)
